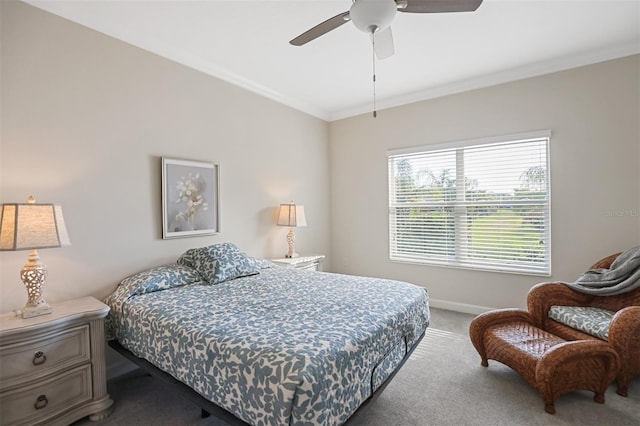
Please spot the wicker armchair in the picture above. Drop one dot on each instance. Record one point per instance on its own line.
(624, 330)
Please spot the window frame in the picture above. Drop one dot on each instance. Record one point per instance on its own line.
(467, 263)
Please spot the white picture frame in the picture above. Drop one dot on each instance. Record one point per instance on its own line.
(190, 198)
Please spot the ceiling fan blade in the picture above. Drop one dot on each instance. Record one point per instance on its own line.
(321, 29)
(383, 42)
(437, 6)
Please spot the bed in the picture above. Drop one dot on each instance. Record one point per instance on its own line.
(269, 344)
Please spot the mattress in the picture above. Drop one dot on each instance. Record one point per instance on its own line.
(282, 347)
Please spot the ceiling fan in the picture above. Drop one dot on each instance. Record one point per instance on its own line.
(375, 16)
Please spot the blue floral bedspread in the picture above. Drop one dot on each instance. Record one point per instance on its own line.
(283, 347)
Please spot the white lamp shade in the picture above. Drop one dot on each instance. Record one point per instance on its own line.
(32, 226)
(373, 15)
(291, 215)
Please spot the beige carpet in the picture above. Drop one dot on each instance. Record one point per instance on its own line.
(441, 384)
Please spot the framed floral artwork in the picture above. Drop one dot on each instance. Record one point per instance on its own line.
(190, 198)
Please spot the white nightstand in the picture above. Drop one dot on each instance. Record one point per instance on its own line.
(312, 263)
(52, 367)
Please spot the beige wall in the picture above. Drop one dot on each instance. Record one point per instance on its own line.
(594, 115)
(85, 120)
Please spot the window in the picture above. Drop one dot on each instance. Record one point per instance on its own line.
(481, 204)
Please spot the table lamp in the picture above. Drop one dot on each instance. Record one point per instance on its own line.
(32, 226)
(291, 215)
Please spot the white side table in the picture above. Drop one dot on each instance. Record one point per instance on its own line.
(52, 367)
(311, 263)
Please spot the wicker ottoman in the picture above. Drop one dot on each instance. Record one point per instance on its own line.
(550, 364)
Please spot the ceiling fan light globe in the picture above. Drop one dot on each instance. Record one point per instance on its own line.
(370, 16)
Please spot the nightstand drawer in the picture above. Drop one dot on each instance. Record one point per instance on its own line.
(47, 398)
(311, 266)
(43, 355)
(308, 263)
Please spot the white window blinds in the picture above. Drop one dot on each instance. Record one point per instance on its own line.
(477, 204)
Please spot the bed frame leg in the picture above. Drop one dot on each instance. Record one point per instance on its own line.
(204, 413)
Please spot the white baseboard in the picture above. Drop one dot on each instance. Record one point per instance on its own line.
(459, 307)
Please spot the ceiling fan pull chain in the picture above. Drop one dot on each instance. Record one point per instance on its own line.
(373, 54)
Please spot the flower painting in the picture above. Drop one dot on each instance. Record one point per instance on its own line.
(190, 191)
(189, 198)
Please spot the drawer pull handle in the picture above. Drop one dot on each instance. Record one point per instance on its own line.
(39, 358)
(41, 402)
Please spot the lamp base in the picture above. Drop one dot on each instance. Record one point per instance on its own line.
(291, 240)
(33, 275)
(42, 308)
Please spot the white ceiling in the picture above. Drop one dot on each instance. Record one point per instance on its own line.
(246, 43)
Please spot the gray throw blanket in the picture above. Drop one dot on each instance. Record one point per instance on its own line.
(622, 276)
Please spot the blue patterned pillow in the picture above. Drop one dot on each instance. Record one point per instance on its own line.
(159, 278)
(219, 262)
(593, 321)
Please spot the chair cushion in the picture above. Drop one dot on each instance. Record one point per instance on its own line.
(593, 321)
